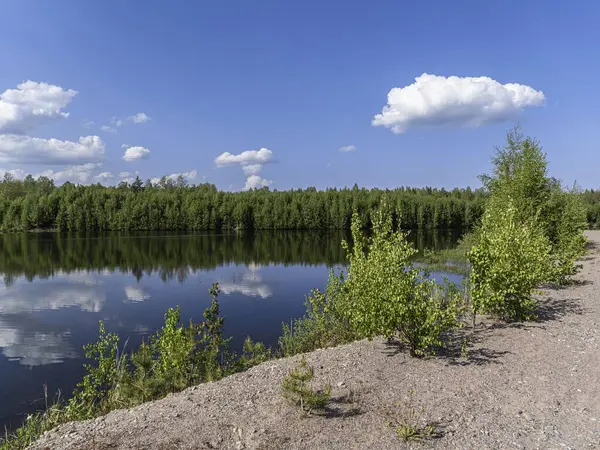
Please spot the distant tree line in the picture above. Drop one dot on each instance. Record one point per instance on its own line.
(175, 205)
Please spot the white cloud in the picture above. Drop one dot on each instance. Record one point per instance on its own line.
(139, 118)
(87, 124)
(108, 129)
(32, 104)
(31, 150)
(190, 175)
(251, 162)
(248, 157)
(16, 173)
(124, 174)
(256, 182)
(116, 121)
(252, 169)
(136, 152)
(75, 174)
(436, 101)
(347, 148)
(104, 176)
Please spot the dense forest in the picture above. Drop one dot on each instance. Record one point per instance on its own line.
(174, 205)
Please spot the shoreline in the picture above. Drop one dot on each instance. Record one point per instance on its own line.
(523, 385)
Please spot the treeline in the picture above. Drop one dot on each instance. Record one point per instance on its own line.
(175, 205)
(177, 256)
(591, 199)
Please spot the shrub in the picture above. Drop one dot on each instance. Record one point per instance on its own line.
(520, 176)
(508, 263)
(324, 324)
(253, 353)
(569, 243)
(384, 294)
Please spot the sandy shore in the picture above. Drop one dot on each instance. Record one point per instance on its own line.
(531, 386)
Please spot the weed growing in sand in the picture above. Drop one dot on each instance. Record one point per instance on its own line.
(407, 420)
(296, 387)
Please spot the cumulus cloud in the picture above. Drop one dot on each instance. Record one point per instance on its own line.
(124, 174)
(32, 104)
(190, 175)
(347, 148)
(252, 169)
(15, 173)
(251, 162)
(87, 123)
(31, 150)
(103, 177)
(139, 118)
(262, 156)
(76, 174)
(108, 129)
(438, 101)
(256, 182)
(116, 121)
(135, 153)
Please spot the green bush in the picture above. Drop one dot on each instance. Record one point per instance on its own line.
(509, 261)
(531, 232)
(324, 324)
(568, 221)
(384, 294)
(520, 174)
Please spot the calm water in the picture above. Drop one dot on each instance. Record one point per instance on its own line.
(56, 288)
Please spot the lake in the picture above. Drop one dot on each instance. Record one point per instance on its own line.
(56, 288)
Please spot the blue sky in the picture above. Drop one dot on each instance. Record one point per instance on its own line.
(300, 80)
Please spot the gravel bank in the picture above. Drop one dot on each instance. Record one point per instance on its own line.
(532, 386)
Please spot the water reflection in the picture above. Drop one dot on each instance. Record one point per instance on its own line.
(33, 348)
(248, 283)
(56, 289)
(135, 294)
(51, 295)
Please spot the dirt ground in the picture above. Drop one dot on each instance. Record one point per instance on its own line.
(531, 386)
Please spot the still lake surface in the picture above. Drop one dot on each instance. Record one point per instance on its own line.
(55, 288)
